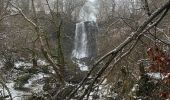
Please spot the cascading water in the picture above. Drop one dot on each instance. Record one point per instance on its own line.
(85, 43)
(80, 49)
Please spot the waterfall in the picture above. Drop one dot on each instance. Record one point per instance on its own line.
(84, 41)
(80, 44)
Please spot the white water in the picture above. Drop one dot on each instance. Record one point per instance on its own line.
(16, 94)
(80, 44)
(82, 66)
(35, 88)
(32, 84)
(87, 13)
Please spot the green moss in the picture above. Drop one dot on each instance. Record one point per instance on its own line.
(32, 70)
(21, 80)
(45, 69)
(9, 64)
(42, 96)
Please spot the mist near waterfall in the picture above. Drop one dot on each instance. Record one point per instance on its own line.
(89, 11)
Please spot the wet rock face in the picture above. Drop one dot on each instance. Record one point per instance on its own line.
(91, 30)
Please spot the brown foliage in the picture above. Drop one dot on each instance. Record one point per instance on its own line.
(164, 94)
(167, 79)
(160, 62)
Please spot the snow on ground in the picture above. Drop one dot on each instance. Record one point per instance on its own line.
(41, 62)
(35, 87)
(16, 94)
(20, 63)
(103, 92)
(156, 75)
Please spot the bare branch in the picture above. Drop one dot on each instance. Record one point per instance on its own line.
(25, 17)
(3, 17)
(43, 49)
(115, 51)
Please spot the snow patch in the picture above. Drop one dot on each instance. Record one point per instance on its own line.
(16, 94)
(83, 67)
(36, 87)
(20, 63)
(41, 62)
(156, 75)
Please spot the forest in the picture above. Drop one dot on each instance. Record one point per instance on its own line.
(84, 49)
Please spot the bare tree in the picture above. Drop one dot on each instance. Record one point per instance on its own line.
(43, 48)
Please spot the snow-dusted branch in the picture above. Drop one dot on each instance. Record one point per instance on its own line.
(113, 53)
(44, 51)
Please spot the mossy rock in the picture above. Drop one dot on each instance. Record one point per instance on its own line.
(22, 80)
(42, 96)
(9, 64)
(32, 70)
(35, 98)
(47, 87)
(27, 69)
(45, 69)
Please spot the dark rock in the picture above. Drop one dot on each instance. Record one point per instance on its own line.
(91, 30)
(63, 93)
